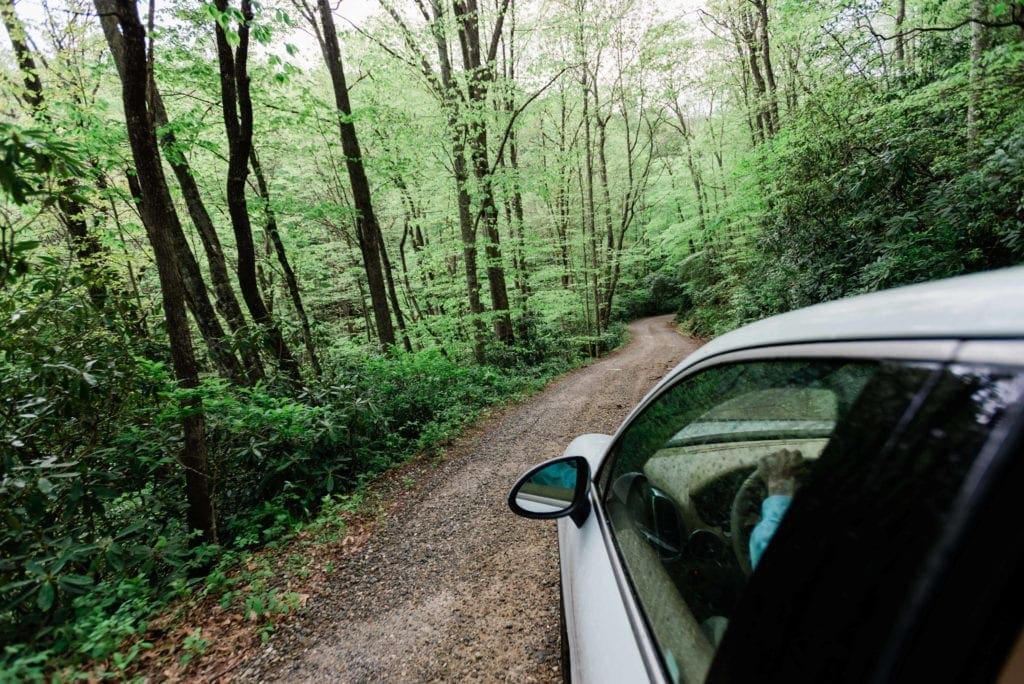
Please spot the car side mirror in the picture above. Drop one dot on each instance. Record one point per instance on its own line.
(553, 489)
(655, 515)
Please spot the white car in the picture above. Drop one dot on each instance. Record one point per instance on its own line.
(883, 431)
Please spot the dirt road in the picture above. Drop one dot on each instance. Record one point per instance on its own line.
(451, 586)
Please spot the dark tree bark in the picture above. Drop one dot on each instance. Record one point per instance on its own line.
(979, 10)
(516, 222)
(286, 267)
(480, 70)
(367, 229)
(516, 218)
(196, 296)
(451, 101)
(393, 296)
(901, 51)
(766, 59)
(748, 31)
(237, 108)
(224, 294)
(160, 220)
(589, 219)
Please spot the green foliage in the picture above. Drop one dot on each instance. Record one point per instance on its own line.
(868, 191)
(29, 157)
(92, 542)
(658, 293)
(871, 181)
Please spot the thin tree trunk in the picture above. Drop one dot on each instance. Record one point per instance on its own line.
(562, 224)
(753, 116)
(467, 229)
(410, 295)
(763, 110)
(160, 218)
(393, 296)
(237, 109)
(901, 52)
(368, 230)
(224, 295)
(695, 175)
(766, 58)
(196, 296)
(479, 74)
(517, 218)
(282, 257)
(979, 10)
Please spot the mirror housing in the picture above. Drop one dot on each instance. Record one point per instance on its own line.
(554, 489)
(655, 515)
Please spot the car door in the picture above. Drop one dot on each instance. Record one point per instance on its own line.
(679, 495)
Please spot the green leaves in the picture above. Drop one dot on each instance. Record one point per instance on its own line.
(46, 596)
(225, 19)
(28, 157)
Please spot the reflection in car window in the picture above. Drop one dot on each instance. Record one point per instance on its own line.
(689, 480)
(866, 532)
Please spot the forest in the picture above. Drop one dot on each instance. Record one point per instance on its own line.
(253, 254)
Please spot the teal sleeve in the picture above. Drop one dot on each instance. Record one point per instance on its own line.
(772, 510)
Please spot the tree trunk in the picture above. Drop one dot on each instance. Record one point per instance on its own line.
(237, 109)
(753, 116)
(516, 219)
(978, 44)
(467, 230)
(224, 294)
(368, 231)
(695, 175)
(479, 74)
(160, 220)
(766, 58)
(589, 219)
(901, 51)
(522, 276)
(749, 33)
(196, 296)
(393, 296)
(282, 258)
(468, 235)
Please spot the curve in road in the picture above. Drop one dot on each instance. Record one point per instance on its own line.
(451, 586)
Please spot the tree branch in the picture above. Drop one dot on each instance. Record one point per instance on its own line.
(942, 29)
(519, 110)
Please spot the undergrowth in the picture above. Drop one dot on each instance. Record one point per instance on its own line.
(89, 561)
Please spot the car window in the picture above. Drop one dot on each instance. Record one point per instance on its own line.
(878, 573)
(685, 487)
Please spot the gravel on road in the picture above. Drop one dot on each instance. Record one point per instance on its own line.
(450, 585)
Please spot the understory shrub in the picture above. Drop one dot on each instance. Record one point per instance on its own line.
(93, 540)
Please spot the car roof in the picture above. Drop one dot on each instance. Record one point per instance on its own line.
(978, 306)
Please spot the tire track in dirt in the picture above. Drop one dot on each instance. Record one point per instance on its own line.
(450, 585)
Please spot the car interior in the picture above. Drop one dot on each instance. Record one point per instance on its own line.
(683, 516)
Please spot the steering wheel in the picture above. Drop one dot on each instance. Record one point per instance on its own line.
(744, 515)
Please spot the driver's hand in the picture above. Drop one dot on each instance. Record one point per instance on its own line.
(779, 471)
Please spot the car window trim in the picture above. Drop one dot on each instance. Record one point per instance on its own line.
(649, 653)
(991, 353)
(932, 351)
